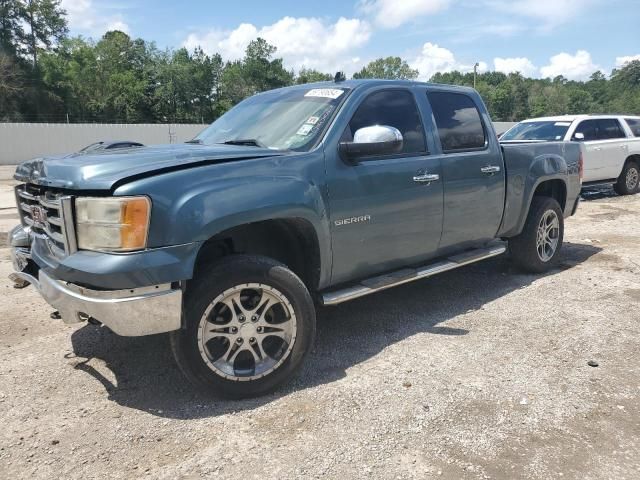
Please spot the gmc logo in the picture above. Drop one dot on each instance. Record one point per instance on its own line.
(38, 214)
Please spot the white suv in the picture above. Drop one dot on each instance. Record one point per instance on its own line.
(611, 145)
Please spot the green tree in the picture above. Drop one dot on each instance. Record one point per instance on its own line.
(46, 76)
(47, 24)
(388, 68)
(11, 86)
(308, 75)
(11, 26)
(187, 86)
(256, 72)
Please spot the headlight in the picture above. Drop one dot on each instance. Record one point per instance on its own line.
(118, 224)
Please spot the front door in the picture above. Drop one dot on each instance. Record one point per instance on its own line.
(594, 162)
(381, 217)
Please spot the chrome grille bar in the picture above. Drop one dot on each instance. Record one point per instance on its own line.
(50, 216)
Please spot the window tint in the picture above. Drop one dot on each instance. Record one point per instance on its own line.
(609, 128)
(458, 121)
(588, 128)
(393, 108)
(634, 125)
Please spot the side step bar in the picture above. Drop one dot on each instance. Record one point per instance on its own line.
(382, 282)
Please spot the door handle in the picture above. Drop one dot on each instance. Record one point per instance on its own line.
(426, 178)
(490, 169)
(597, 149)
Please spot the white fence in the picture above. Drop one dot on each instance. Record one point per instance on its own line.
(23, 141)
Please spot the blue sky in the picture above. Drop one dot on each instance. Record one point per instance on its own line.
(541, 38)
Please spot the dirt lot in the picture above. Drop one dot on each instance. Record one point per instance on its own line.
(477, 373)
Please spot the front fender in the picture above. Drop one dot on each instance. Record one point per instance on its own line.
(209, 211)
(196, 204)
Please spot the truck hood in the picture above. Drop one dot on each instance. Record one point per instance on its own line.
(103, 170)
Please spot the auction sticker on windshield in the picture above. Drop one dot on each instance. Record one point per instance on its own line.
(304, 129)
(324, 93)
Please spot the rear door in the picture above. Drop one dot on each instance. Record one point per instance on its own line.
(614, 146)
(381, 216)
(472, 169)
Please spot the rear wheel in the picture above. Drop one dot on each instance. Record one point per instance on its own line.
(249, 323)
(536, 248)
(629, 180)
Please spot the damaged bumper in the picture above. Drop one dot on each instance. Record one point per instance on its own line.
(129, 312)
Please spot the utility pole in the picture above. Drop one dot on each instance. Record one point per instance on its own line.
(475, 73)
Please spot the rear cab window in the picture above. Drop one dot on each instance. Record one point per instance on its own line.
(634, 125)
(458, 121)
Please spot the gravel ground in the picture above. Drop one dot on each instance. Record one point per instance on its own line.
(476, 373)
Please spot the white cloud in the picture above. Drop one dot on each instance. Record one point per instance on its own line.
(393, 13)
(85, 17)
(512, 65)
(433, 59)
(301, 42)
(621, 61)
(550, 13)
(573, 67)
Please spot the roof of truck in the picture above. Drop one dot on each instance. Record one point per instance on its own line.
(353, 84)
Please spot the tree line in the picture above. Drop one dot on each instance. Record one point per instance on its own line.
(45, 75)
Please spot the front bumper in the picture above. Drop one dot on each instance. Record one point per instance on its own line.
(129, 312)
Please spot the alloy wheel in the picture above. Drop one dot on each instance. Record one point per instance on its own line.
(247, 332)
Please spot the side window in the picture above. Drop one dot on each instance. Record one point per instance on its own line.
(634, 125)
(458, 121)
(609, 128)
(588, 128)
(393, 108)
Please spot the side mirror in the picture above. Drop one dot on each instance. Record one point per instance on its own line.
(371, 141)
(578, 136)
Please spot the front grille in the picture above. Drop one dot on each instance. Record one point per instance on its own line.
(49, 215)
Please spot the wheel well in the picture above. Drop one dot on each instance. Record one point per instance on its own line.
(554, 189)
(292, 241)
(633, 158)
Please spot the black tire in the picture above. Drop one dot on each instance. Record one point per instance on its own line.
(524, 248)
(232, 272)
(630, 171)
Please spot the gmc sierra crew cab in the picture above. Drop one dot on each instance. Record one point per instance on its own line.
(611, 145)
(313, 194)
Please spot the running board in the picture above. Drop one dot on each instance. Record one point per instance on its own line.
(382, 282)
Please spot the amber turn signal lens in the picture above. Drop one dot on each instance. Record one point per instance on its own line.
(135, 219)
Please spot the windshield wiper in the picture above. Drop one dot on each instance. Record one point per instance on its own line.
(197, 141)
(250, 142)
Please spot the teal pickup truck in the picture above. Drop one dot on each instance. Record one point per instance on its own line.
(303, 196)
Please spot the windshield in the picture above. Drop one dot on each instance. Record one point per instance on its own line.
(288, 119)
(549, 131)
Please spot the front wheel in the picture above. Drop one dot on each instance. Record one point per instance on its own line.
(536, 248)
(629, 180)
(249, 323)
